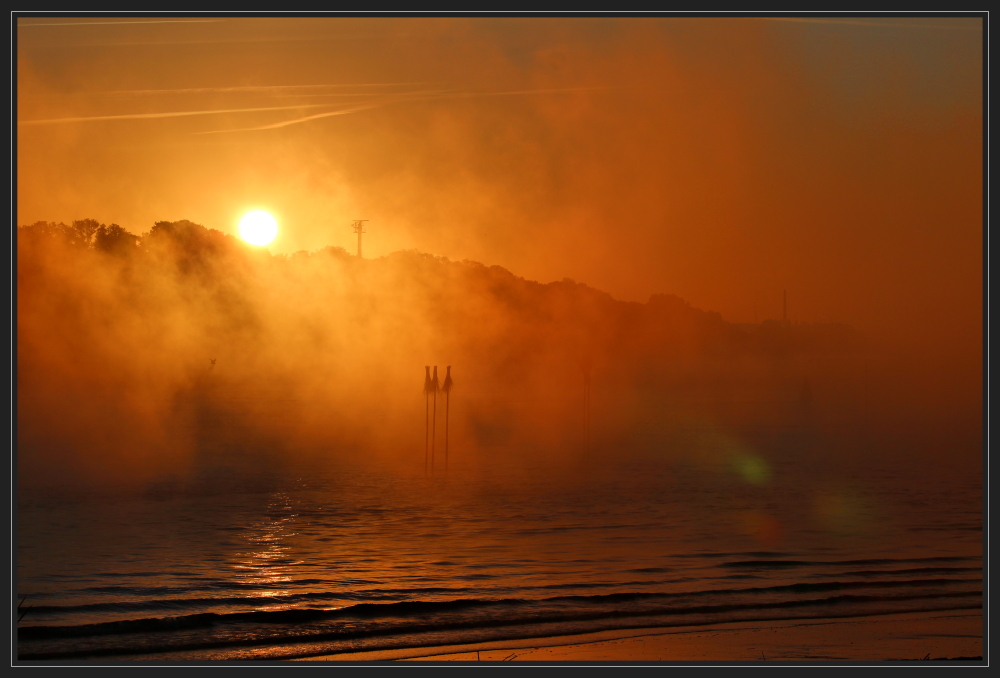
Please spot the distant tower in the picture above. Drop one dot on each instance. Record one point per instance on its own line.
(359, 228)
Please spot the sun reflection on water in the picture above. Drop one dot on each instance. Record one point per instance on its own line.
(266, 565)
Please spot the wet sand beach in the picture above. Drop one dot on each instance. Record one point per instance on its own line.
(939, 635)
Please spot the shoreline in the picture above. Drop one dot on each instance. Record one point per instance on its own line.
(898, 637)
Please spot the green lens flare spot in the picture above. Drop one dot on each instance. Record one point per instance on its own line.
(752, 469)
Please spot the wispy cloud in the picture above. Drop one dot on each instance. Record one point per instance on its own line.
(171, 114)
(877, 24)
(262, 88)
(212, 41)
(554, 90)
(21, 24)
(406, 98)
(378, 100)
(286, 123)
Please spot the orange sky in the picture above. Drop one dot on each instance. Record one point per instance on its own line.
(721, 160)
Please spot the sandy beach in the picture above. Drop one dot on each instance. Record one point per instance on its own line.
(912, 636)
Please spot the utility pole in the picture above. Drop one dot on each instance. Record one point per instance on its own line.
(359, 228)
(586, 409)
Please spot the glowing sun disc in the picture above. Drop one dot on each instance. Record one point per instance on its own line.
(258, 227)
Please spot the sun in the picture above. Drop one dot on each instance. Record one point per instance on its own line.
(258, 228)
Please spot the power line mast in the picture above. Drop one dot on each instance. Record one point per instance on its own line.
(359, 228)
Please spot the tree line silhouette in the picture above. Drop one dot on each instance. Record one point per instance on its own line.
(103, 311)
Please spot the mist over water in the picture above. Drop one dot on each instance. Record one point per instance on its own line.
(710, 291)
(224, 453)
(187, 347)
(351, 558)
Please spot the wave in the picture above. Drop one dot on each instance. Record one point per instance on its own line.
(821, 563)
(585, 605)
(310, 642)
(312, 597)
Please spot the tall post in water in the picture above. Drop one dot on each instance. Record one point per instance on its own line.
(446, 387)
(359, 228)
(427, 414)
(435, 387)
(585, 366)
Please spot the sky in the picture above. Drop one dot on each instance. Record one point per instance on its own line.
(696, 170)
(723, 160)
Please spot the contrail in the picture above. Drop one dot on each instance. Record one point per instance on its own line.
(259, 88)
(397, 98)
(173, 114)
(213, 41)
(393, 98)
(400, 96)
(286, 123)
(112, 23)
(463, 95)
(861, 22)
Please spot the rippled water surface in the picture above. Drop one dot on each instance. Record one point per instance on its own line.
(312, 562)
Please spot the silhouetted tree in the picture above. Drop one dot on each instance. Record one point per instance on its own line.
(192, 246)
(83, 231)
(114, 239)
(44, 231)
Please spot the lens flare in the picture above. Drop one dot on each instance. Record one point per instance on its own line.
(751, 468)
(258, 228)
(765, 528)
(844, 511)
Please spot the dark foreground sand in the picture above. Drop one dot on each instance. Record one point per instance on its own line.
(878, 638)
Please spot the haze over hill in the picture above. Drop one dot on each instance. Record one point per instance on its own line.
(142, 357)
